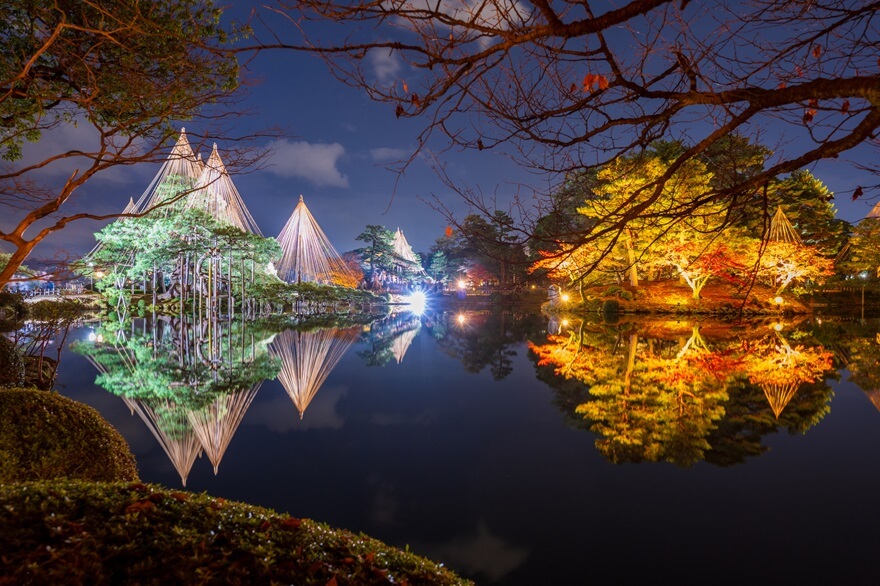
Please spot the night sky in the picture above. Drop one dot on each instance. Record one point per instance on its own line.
(335, 146)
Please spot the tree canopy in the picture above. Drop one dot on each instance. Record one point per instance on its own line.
(123, 72)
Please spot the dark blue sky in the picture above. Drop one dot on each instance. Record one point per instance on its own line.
(335, 147)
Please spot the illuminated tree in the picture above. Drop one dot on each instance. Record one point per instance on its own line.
(788, 262)
(121, 72)
(616, 195)
(561, 86)
(863, 254)
(781, 369)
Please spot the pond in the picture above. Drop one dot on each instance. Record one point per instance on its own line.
(704, 452)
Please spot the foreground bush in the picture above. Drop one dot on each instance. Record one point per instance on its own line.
(44, 435)
(73, 532)
(12, 367)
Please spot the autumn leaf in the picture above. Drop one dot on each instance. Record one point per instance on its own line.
(859, 192)
(602, 81)
(844, 107)
(808, 116)
(589, 82)
(449, 231)
(798, 71)
(291, 523)
(399, 111)
(573, 88)
(179, 496)
(817, 51)
(139, 506)
(813, 103)
(405, 87)
(781, 86)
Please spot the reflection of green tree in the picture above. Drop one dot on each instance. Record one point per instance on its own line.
(161, 369)
(382, 334)
(653, 399)
(487, 339)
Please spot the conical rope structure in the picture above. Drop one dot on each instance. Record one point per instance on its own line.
(216, 194)
(781, 229)
(307, 358)
(176, 178)
(216, 424)
(404, 251)
(307, 252)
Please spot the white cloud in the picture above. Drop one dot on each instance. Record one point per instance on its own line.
(316, 163)
(479, 552)
(388, 154)
(385, 62)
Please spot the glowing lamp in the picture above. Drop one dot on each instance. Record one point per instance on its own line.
(777, 300)
(777, 326)
(564, 297)
(417, 302)
(92, 336)
(462, 284)
(460, 318)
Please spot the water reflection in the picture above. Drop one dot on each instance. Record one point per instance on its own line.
(681, 392)
(190, 382)
(307, 358)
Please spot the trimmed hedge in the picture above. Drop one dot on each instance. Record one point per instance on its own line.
(11, 364)
(74, 532)
(44, 435)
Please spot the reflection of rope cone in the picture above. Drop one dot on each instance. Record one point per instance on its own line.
(215, 424)
(307, 358)
(779, 394)
(402, 343)
(874, 396)
(177, 439)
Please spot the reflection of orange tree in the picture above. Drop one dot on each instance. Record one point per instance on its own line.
(659, 407)
(780, 370)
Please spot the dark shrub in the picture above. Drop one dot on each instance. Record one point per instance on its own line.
(11, 364)
(44, 435)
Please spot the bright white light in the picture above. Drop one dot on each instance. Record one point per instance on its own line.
(100, 338)
(417, 302)
(778, 327)
(461, 319)
(462, 285)
(778, 300)
(92, 336)
(565, 297)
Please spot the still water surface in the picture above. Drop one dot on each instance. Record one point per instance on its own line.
(458, 438)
